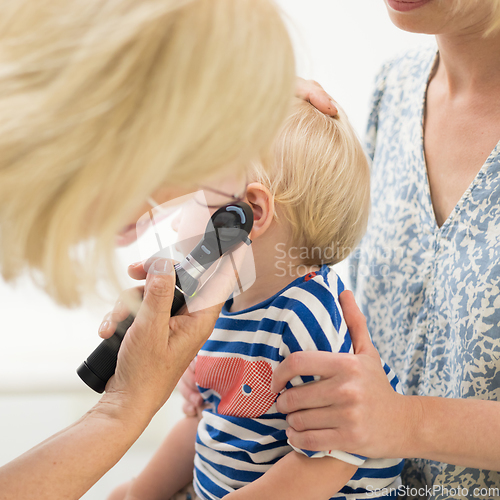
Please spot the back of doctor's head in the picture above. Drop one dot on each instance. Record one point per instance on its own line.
(319, 176)
(104, 101)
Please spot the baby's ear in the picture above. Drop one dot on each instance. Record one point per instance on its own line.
(261, 200)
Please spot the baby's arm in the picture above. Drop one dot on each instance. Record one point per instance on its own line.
(297, 476)
(170, 469)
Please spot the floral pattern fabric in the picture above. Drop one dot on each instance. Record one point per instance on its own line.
(431, 295)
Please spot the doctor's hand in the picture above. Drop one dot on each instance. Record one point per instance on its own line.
(157, 348)
(353, 406)
(313, 92)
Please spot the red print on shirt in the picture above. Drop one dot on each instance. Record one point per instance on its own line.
(244, 386)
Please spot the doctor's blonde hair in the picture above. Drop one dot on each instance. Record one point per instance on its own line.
(104, 101)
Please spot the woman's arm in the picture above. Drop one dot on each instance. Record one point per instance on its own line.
(155, 352)
(296, 476)
(67, 464)
(354, 408)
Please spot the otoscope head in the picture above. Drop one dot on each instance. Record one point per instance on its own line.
(227, 228)
(232, 222)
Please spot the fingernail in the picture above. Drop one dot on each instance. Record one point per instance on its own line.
(190, 409)
(288, 432)
(104, 326)
(162, 266)
(334, 104)
(135, 264)
(195, 399)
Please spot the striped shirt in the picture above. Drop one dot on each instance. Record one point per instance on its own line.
(242, 434)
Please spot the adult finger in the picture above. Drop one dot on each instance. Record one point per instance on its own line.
(356, 322)
(120, 311)
(313, 92)
(312, 395)
(158, 296)
(311, 363)
(316, 440)
(139, 270)
(136, 271)
(313, 419)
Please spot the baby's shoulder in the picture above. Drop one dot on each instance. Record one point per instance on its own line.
(311, 315)
(313, 300)
(318, 288)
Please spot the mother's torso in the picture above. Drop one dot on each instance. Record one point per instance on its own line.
(431, 295)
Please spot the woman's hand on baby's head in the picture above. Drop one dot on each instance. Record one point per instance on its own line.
(313, 92)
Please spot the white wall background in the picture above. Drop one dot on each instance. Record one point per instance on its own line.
(339, 43)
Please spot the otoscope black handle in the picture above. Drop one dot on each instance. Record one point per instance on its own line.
(101, 364)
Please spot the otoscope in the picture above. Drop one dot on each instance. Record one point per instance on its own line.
(228, 227)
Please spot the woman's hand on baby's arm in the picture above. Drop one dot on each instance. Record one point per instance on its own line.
(353, 407)
(313, 92)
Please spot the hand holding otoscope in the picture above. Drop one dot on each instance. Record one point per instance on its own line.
(227, 229)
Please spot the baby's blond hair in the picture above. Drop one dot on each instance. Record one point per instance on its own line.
(319, 176)
(104, 101)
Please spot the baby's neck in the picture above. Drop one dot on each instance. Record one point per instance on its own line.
(270, 279)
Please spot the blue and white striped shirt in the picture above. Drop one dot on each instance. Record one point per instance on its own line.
(242, 434)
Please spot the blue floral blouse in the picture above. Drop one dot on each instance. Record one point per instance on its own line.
(431, 295)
